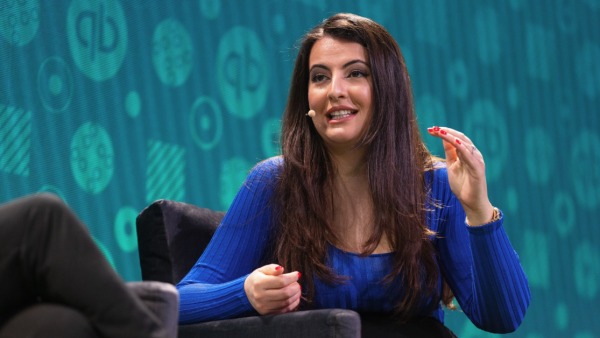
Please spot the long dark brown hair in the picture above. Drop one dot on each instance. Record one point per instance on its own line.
(396, 163)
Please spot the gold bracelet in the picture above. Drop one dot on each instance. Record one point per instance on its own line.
(495, 217)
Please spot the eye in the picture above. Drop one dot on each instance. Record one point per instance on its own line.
(318, 78)
(358, 73)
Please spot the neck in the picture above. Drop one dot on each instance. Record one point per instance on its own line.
(350, 165)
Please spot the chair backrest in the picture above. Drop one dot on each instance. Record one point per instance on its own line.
(171, 237)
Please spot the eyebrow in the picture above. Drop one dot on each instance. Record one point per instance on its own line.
(347, 64)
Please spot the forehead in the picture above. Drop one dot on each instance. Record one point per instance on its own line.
(330, 51)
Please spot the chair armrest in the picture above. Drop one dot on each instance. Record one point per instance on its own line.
(162, 299)
(326, 323)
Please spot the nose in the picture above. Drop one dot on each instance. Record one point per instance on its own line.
(337, 88)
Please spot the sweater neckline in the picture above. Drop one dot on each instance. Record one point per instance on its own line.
(357, 254)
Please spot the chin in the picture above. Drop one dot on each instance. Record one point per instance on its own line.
(341, 141)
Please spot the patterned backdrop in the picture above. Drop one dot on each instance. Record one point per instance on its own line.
(114, 104)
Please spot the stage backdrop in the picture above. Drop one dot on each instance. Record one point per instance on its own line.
(114, 104)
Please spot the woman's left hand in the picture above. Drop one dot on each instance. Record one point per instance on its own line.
(466, 174)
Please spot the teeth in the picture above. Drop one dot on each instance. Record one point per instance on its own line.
(340, 114)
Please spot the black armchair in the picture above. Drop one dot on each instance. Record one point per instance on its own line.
(172, 236)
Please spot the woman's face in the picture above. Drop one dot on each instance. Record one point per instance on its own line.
(340, 91)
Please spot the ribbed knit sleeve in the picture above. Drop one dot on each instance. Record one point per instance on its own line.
(214, 287)
(479, 264)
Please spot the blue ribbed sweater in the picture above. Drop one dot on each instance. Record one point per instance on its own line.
(479, 263)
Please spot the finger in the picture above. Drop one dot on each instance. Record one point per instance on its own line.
(272, 270)
(457, 134)
(288, 308)
(451, 141)
(274, 300)
(465, 153)
(284, 293)
(289, 305)
(450, 151)
(449, 134)
(278, 282)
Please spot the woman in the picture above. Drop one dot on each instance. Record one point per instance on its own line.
(357, 208)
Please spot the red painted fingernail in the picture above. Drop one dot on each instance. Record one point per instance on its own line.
(278, 268)
(299, 275)
(436, 128)
(430, 130)
(458, 141)
(443, 132)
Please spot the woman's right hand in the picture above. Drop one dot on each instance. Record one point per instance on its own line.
(270, 291)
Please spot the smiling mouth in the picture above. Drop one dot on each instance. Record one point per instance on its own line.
(340, 114)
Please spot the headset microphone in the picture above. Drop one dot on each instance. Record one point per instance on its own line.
(311, 113)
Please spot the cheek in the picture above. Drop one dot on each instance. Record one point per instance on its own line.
(315, 98)
(366, 96)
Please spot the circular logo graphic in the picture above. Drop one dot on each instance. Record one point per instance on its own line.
(125, 231)
(172, 52)
(233, 174)
(563, 211)
(585, 171)
(587, 270)
(242, 72)
(55, 84)
(270, 137)
(458, 80)
(133, 104)
(97, 35)
(431, 112)
(92, 158)
(539, 155)
(486, 126)
(210, 9)
(206, 122)
(19, 20)
(588, 69)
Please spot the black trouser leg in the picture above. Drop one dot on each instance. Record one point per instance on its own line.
(49, 321)
(46, 252)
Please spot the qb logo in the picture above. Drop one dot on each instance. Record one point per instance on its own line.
(97, 34)
(242, 72)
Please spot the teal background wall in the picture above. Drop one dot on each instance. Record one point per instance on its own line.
(114, 104)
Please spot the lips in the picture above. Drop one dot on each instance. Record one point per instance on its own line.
(340, 112)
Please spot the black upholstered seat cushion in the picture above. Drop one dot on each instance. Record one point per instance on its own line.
(171, 237)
